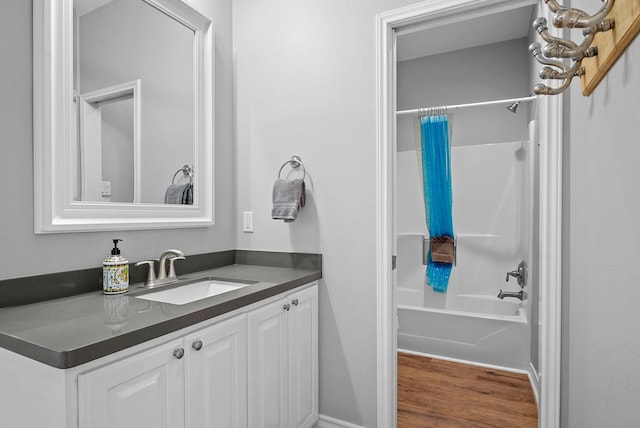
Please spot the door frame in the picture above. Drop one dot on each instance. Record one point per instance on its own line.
(549, 110)
(90, 115)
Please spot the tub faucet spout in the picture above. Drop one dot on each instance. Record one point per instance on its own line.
(522, 295)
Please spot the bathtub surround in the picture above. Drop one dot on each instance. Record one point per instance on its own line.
(491, 191)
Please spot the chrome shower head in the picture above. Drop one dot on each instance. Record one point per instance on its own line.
(513, 107)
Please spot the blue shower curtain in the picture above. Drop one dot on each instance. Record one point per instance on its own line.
(436, 180)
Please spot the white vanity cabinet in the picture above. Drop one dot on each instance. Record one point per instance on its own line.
(196, 381)
(144, 390)
(216, 375)
(283, 362)
(256, 366)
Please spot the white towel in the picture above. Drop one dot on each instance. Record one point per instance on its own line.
(288, 198)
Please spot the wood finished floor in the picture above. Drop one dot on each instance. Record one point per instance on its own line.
(438, 393)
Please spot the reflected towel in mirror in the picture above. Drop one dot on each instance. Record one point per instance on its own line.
(179, 194)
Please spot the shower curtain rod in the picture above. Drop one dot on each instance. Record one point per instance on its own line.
(479, 104)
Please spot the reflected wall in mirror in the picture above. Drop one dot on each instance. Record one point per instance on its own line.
(123, 102)
(120, 41)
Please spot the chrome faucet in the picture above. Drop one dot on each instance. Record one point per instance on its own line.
(164, 275)
(162, 268)
(520, 274)
(522, 295)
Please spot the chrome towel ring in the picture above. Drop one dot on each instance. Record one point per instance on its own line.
(186, 170)
(295, 162)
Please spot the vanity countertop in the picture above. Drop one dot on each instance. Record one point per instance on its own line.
(70, 331)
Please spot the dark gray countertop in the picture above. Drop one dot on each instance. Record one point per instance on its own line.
(70, 331)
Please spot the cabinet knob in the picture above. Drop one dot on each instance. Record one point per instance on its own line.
(286, 307)
(197, 345)
(294, 302)
(178, 353)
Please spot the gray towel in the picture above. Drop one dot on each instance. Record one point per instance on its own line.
(288, 198)
(179, 194)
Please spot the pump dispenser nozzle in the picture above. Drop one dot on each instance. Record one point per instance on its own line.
(115, 250)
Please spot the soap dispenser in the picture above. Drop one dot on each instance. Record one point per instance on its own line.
(115, 272)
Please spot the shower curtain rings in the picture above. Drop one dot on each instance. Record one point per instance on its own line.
(433, 111)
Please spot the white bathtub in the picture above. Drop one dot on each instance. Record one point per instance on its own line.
(481, 330)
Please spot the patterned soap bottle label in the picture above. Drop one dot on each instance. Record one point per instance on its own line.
(115, 278)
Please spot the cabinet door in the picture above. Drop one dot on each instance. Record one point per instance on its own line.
(216, 372)
(302, 327)
(142, 391)
(267, 353)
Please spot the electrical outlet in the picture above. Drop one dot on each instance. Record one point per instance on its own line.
(247, 221)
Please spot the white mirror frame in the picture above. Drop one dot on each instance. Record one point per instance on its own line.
(54, 208)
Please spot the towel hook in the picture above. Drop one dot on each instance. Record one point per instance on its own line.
(186, 170)
(295, 162)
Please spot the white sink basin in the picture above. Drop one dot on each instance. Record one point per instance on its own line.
(192, 292)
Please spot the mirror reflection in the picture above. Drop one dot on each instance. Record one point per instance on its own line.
(134, 101)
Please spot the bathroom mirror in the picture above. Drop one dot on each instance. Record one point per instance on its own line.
(123, 108)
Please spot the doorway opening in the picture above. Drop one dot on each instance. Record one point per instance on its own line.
(440, 28)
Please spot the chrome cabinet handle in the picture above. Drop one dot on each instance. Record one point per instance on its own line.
(197, 345)
(294, 302)
(286, 307)
(178, 353)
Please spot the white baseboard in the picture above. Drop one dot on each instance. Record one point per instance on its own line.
(328, 422)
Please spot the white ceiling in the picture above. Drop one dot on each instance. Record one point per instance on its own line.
(494, 28)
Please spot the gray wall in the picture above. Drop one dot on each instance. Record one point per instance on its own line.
(601, 337)
(28, 254)
(490, 72)
(305, 84)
